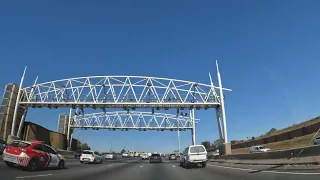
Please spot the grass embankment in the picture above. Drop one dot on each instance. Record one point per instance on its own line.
(282, 145)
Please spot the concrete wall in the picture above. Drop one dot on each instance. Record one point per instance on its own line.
(56, 140)
(301, 131)
(309, 155)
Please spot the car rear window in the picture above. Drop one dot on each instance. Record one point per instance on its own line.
(172, 155)
(197, 149)
(87, 152)
(155, 155)
(19, 144)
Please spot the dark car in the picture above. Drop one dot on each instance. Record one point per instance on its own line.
(172, 157)
(155, 158)
(3, 146)
(77, 154)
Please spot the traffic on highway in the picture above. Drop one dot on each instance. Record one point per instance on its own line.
(36, 160)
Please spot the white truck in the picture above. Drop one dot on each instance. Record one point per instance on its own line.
(194, 155)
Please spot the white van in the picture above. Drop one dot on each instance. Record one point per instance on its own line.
(194, 154)
(260, 148)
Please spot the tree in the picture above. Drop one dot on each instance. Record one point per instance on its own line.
(123, 151)
(84, 146)
(218, 142)
(206, 144)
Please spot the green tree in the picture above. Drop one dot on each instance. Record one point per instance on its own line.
(218, 142)
(84, 146)
(206, 144)
(123, 151)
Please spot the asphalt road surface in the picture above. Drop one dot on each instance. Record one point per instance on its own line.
(136, 169)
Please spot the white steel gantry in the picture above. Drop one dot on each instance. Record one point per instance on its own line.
(127, 92)
(137, 120)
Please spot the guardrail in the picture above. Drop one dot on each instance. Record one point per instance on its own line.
(305, 155)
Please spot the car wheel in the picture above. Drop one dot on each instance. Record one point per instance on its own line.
(9, 164)
(61, 165)
(203, 164)
(187, 165)
(81, 162)
(32, 166)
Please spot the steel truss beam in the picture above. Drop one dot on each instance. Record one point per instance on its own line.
(132, 120)
(121, 92)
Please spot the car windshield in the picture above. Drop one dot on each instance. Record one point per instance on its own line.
(87, 152)
(155, 155)
(19, 144)
(197, 149)
(172, 155)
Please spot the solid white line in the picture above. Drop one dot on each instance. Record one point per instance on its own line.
(41, 175)
(275, 172)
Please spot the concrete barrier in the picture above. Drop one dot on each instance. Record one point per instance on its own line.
(306, 155)
(66, 154)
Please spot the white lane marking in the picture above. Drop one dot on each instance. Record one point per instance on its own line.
(141, 166)
(275, 172)
(173, 166)
(41, 175)
(109, 164)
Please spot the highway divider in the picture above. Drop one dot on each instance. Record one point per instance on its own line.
(305, 155)
(66, 154)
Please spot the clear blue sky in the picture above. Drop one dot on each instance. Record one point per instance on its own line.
(268, 53)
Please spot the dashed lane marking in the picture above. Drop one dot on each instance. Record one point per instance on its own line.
(141, 166)
(173, 166)
(40, 175)
(275, 172)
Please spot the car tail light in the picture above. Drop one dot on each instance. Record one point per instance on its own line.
(23, 150)
(92, 155)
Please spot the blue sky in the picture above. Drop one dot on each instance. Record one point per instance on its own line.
(268, 53)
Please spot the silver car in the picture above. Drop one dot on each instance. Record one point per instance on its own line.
(316, 140)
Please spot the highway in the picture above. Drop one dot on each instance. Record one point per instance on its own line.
(136, 169)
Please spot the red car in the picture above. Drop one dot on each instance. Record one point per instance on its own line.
(32, 155)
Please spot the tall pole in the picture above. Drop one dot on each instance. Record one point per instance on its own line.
(14, 119)
(70, 143)
(69, 126)
(178, 138)
(219, 123)
(194, 128)
(25, 112)
(22, 122)
(223, 113)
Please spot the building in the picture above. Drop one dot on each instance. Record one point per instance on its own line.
(7, 110)
(63, 122)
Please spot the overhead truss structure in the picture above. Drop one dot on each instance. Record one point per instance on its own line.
(121, 92)
(137, 120)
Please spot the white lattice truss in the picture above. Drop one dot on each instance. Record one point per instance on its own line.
(121, 92)
(132, 120)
